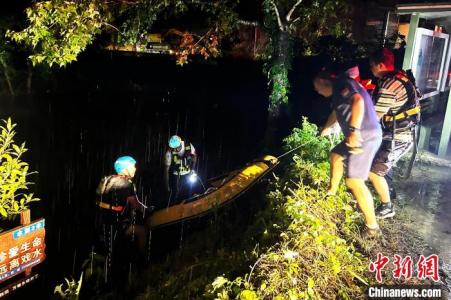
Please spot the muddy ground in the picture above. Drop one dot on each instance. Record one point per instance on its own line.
(422, 224)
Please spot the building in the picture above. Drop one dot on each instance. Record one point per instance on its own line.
(419, 32)
(428, 53)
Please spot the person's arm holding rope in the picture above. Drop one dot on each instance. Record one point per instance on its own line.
(331, 120)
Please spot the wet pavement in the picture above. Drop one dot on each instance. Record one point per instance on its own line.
(426, 196)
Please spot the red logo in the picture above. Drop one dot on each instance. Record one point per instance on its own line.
(378, 265)
(403, 267)
(427, 267)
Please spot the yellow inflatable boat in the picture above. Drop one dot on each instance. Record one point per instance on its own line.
(221, 191)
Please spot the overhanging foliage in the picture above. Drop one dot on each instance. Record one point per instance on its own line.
(59, 30)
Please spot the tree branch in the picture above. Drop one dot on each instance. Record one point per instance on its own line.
(279, 20)
(253, 267)
(292, 10)
(295, 20)
(112, 26)
(202, 37)
(7, 77)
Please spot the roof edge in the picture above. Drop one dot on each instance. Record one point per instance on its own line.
(423, 7)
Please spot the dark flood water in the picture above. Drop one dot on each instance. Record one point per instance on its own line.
(103, 107)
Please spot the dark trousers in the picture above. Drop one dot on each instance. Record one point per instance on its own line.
(180, 188)
(389, 179)
(120, 248)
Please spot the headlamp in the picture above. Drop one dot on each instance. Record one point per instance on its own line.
(192, 177)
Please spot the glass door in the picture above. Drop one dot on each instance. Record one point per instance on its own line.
(447, 71)
(429, 55)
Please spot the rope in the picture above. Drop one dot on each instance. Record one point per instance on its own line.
(294, 149)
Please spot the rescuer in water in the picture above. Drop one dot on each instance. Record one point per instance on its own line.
(120, 212)
(180, 163)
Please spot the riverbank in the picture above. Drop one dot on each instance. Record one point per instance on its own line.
(301, 245)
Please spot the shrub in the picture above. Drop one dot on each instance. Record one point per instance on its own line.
(13, 174)
(314, 257)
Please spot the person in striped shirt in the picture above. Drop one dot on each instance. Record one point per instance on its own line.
(394, 93)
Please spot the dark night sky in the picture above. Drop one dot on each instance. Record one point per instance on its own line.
(249, 10)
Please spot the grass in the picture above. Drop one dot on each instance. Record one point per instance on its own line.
(301, 245)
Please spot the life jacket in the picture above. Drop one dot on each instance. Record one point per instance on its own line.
(367, 84)
(113, 191)
(182, 165)
(408, 115)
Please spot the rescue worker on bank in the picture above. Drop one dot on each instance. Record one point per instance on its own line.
(354, 111)
(353, 73)
(119, 211)
(396, 101)
(180, 163)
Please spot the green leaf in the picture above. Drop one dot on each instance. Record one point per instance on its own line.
(248, 295)
(16, 149)
(219, 282)
(310, 283)
(9, 126)
(3, 212)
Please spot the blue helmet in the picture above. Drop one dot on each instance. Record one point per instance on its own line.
(123, 163)
(175, 141)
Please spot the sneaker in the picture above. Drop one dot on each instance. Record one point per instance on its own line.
(371, 233)
(385, 211)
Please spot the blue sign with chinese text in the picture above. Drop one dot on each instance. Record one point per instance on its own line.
(28, 229)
